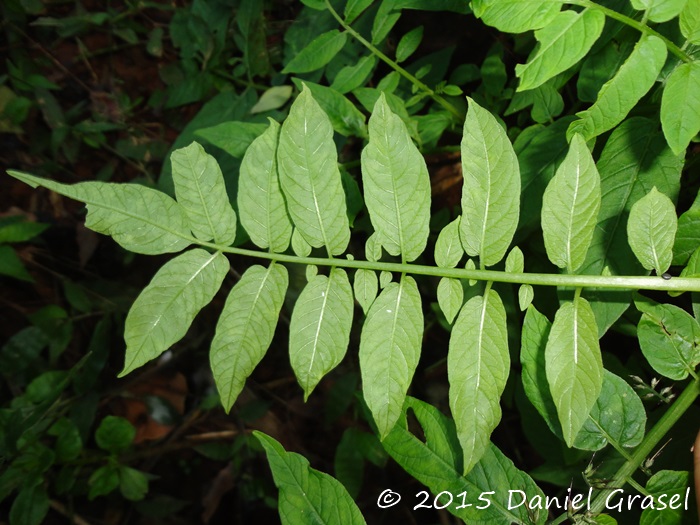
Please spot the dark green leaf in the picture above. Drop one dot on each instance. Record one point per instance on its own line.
(114, 434)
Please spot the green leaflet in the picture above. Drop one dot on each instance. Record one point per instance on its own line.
(525, 296)
(409, 43)
(307, 495)
(165, 309)
(450, 295)
(233, 137)
(491, 191)
(396, 185)
(261, 205)
(245, 328)
(622, 92)
(317, 53)
(448, 248)
(477, 369)
(30, 506)
(536, 329)
(690, 21)
(352, 77)
(385, 278)
(634, 159)
(570, 207)
(140, 219)
(574, 365)
(319, 331)
(390, 346)
(651, 230)
(669, 484)
(516, 16)
(436, 462)
(273, 98)
(688, 234)
(617, 417)
(310, 178)
(12, 266)
(515, 262)
(200, 189)
(365, 286)
(354, 8)
(659, 10)
(562, 43)
(599, 67)
(680, 106)
(669, 339)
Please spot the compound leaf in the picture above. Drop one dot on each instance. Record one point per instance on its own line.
(477, 368)
(570, 207)
(200, 189)
(318, 53)
(164, 310)
(245, 328)
(261, 204)
(309, 175)
(562, 43)
(680, 106)
(140, 219)
(390, 346)
(622, 92)
(319, 331)
(396, 184)
(307, 495)
(574, 365)
(651, 230)
(491, 191)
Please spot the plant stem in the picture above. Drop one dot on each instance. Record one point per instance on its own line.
(639, 26)
(420, 85)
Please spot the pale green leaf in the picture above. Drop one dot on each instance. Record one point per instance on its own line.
(477, 369)
(165, 309)
(680, 106)
(245, 328)
(690, 21)
(574, 365)
(385, 278)
(309, 175)
(396, 185)
(345, 117)
(317, 53)
(354, 8)
(448, 247)
(409, 43)
(353, 77)
(233, 137)
(300, 247)
(311, 271)
(470, 265)
(651, 230)
(307, 495)
(525, 296)
(365, 287)
(390, 346)
(659, 10)
(622, 92)
(516, 16)
(319, 330)
(373, 248)
(561, 44)
(515, 262)
(435, 460)
(273, 98)
(261, 205)
(200, 189)
(570, 207)
(140, 219)
(617, 417)
(672, 489)
(668, 338)
(450, 296)
(491, 191)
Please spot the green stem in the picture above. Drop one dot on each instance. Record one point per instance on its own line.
(639, 26)
(376, 52)
(679, 284)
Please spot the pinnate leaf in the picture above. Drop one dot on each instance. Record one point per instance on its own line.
(200, 189)
(140, 219)
(307, 495)
(574, 365)
(491, 191)
(570, 207)
(165, 309)
(396, 184)
(310, 178)
(319, 331)
(246, 327)
(477, 368)
(390, 346)
(260, 201)
(680, 106)
(651, 230)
